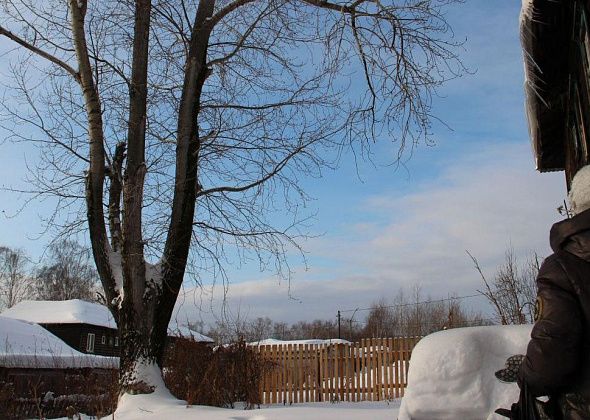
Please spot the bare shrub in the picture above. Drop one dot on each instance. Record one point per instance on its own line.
(513, 290)
(220, 377)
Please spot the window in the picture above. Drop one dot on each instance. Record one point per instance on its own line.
(90, 343)
(116, 341)
(111, 341)
(104, 339)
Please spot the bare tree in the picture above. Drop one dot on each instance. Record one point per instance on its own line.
(68, 274)
(513, 290)
(185, 122)
(15, 283)
(418, 317)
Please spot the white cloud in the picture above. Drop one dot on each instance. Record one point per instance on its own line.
(482, 202)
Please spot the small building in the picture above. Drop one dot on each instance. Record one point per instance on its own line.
(556, 44)
(85, 326)
(40, 371)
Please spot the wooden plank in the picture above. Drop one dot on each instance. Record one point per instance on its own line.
(357, 370)
(403, 344)
(274, 372)
(342, 355)
(384, 369)
(289, 375)
(282, 359)
(297, 371)
(287, 379)
(380, 365)
(324, 374)
(400, 369)
(297, 377)
(292, 358)
(302, 361)
(273, 383)
(307, 373)
(260, 356)
(398, 373)
(349, 370)
(368, 372)
(363, 381)
(279, 356)
(390, 368)
(344, 373)
(329, 372)
(262, 378)
(336, 375)
(320, 374)
(375, 368)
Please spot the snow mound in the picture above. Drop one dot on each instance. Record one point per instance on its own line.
(452, 373)
(72, 311)
(23, 344)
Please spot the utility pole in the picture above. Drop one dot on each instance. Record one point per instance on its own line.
(339, 325)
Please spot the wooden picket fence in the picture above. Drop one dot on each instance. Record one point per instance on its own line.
(370, 370)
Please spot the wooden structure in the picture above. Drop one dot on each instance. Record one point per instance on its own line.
(87, 338)
(556, 43)
(370, 370)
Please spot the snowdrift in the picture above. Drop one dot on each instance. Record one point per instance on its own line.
(452, 373)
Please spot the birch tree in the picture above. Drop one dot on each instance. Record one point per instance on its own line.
(180, 123)
(15, 282)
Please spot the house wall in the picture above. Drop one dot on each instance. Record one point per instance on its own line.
(76, 336)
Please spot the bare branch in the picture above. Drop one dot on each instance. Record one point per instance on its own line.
(40, 53)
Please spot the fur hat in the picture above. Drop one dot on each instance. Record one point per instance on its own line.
(579, 195)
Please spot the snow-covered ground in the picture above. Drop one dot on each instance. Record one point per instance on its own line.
(145, 407)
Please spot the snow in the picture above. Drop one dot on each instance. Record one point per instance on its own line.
(527, 9)
(153, 274)
(73, 311)
(186, 332)
(117, 269)
(24, 344)
(136, 407)
(579, 195)
(452, 373)
(272, 341)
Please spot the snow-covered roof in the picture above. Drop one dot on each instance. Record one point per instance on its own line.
(77, 311)
(272, 341)
(185, 332)
(25, 344)
(73, 311)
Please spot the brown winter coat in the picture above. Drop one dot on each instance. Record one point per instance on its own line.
(557, 362)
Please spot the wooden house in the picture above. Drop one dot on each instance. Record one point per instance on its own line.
(556, 45)
(85, 326)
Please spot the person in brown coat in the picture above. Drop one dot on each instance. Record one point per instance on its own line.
(557, 361)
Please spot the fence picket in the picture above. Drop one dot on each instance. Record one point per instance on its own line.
(371, 369)
(384, 372)
(363, 370)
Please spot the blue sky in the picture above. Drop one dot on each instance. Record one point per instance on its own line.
(384, 228)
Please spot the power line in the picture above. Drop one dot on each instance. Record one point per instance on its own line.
(401, 305)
